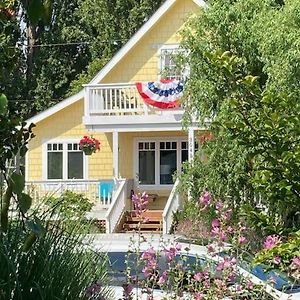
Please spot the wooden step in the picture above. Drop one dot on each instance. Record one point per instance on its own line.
(147, 219)
(136, 226)
(148, 214)
(150, 220)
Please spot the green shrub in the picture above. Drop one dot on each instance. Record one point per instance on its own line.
(70, 204)
(56, 266)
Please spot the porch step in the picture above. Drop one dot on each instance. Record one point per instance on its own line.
(147, 222)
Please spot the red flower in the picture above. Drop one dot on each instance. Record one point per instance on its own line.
(89, 144)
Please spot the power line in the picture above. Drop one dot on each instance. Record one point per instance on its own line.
(115, 42)
(32, 100)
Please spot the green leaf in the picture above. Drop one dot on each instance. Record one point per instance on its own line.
(35, 10)
(3, 104)
(25, 202)
(48, 8)
(18, 183)
(29, 241)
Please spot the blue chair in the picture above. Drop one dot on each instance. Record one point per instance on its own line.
(105, 191)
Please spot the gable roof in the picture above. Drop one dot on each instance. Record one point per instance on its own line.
(113, 62)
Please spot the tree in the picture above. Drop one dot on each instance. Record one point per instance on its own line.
(244, 75)
(63, 44)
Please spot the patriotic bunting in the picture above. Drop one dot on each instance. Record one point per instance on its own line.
(163, 94)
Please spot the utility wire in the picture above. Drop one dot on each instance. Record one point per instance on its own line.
(115, 42)
(32, 100)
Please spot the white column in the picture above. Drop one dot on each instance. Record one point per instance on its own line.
(191, 151)
(116, 154)
(87, 96)
(191, 143)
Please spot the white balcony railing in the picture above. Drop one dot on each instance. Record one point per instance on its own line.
(89, 188)
(116, 98)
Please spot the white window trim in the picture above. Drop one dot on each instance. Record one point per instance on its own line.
(157, 185)
(65, 150)
(159, 54)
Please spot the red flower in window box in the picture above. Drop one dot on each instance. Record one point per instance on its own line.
(89, 145)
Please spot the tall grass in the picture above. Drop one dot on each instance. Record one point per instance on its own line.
(57, 266)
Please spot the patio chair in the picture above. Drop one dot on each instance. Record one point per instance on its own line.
(105, 191)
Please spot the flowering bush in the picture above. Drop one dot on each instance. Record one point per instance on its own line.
(170, 268)
(89, 145)
(283, 255)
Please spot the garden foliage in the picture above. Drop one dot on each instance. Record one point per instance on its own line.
(244, 78)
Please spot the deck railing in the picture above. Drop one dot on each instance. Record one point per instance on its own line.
(173, 204)
(116, 98)
(55, 188)
(120, 203)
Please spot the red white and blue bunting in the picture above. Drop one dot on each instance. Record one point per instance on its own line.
(163, 94)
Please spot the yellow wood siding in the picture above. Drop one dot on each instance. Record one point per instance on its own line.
(67, 124)
(140, 64)
(126, 154)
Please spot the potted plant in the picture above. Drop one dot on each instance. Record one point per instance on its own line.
(89, 145)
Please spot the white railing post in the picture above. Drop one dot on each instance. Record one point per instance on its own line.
(173, 204)
(117, 207)
(86, 100)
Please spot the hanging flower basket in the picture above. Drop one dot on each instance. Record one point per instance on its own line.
(89, 145)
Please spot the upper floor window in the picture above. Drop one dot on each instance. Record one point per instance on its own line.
(64, 161)
(170, 66)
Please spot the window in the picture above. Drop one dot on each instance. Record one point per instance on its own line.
(147, 162)
(168, 161)
(64, 161)
(158, 160)
(169, 65)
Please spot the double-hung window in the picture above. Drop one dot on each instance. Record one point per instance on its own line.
(64, 160)
(170, 67)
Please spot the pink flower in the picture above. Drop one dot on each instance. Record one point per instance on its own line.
(215, 223)
(198, 276)
(230, 229)
(163, 278)
(149, 269)
(223, 236)
(205, 198)
(295, 262)
(219, 205)
(249, 285)
(170, 253)
(226, 215)
(198, 296)
(210, 248)
(148, 254)
(140, 203)
(215, 231)
(271, 241)
(276, 260)
(178, 246)
(227, 263)
(242, 240)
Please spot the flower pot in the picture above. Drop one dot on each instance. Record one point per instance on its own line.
(87, 151)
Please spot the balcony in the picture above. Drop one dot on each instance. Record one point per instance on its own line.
(119, 105)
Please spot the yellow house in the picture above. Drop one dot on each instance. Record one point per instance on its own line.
(141, 145)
